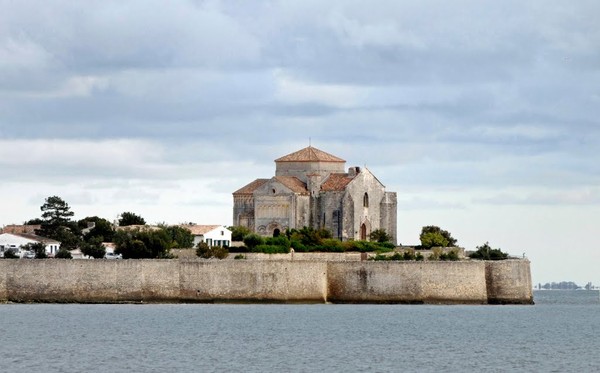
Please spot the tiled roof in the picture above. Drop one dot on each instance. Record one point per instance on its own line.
(295, 184)
(310, 154)
(250, 188)
(336, 182)
(20, 228)
(198, 230)
(35, 237)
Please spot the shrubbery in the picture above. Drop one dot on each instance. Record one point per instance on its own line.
(63, 254)
(10, 254)
(485, 252)
(207, 252)
(408, 255)
(144, 243)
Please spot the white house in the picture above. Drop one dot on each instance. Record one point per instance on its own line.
(213, 235)
(16, 241)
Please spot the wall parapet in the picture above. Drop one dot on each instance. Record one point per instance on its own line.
(197, 280)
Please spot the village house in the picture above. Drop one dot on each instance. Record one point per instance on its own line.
(16, 242)
(213, 235)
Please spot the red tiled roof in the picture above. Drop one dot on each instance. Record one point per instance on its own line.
(336, 182)
(310, 154)
(250, 188)
(295, 184)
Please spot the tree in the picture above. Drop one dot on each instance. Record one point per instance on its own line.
(56, 223)
(380, 235)
(102, 228)
(238, 233)
(94, 248)
(143, 243)
(432, 236)
(485, 252)
(129, 218)
(38, 248)
(56, 212)
(34, 221)
(180, 237)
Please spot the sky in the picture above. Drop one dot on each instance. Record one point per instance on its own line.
(483, 116)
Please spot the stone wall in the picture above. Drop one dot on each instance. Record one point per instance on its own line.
(195, 280)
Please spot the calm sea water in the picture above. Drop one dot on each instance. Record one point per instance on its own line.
(561, 333)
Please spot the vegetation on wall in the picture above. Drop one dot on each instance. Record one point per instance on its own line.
(485, 252)
(433, 236)
(380, 235)
(207, 252)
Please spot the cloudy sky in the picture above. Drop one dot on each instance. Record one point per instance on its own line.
(484, 116)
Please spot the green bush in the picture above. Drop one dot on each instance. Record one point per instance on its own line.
(63, 254)
(252, 240)
(380, 235)
(298, 246)
(10, 254)
(419, 257)
(451, 255)
(239, 256)
(207, 252)
(277, 241)
(485, 252)
(271, 249)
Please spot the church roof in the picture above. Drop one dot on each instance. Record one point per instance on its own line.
(309, 154)
(250, 188)
(336, 182)
(295, 184)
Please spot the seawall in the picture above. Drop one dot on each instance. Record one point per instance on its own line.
(195, 280)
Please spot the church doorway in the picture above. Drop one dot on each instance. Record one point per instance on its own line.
(363, 232)
(276, 232)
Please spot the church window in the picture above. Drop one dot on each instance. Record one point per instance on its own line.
(366, 200)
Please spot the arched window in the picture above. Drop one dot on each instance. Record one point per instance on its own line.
(366, 200)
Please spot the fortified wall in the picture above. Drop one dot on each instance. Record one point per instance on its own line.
(196, 280)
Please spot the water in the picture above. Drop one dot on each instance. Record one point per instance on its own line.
(561, 333)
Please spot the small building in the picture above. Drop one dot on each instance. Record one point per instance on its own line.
(16, 241)
(213, 235)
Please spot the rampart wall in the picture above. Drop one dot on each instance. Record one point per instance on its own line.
(195, 280)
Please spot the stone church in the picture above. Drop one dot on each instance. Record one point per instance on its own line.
(312, 188)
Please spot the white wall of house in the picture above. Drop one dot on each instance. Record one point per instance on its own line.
(220, 236)
(16, 242)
